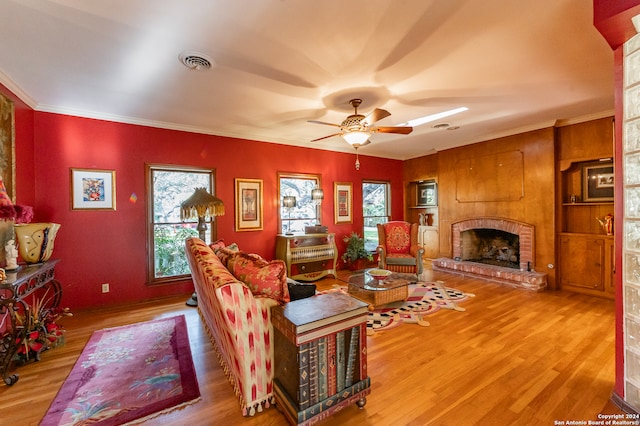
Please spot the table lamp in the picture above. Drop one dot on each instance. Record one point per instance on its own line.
(289, 201)
(317, 195)
(200, 205)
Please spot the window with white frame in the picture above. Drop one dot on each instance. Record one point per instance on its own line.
(168, 187)
(375, 209)
(305, 212)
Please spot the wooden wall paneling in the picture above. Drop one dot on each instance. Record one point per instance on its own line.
(535, 207)
(585, 140)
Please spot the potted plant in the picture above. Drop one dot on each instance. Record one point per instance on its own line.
(356, 256)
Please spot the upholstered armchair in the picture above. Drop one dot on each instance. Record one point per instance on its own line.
(398, 249)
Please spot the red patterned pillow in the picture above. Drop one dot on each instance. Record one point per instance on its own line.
(267, 279)
(398, 236)
(224, 252)
(216, 245)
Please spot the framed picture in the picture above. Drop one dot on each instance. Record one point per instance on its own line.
(597, 182)
(248, 204)
(7, 146)
(426, 194)
(343, 202)
(93, 189)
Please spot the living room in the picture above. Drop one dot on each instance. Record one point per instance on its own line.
(97, 247)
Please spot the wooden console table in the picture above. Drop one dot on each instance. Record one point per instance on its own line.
(320, 356)
(309, 257)
(16, 295)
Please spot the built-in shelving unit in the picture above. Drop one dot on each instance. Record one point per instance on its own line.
(585, 251)
(423, 207)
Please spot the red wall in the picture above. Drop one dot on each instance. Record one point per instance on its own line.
(97, 247)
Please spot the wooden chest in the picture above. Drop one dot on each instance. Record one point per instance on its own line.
(320, 356)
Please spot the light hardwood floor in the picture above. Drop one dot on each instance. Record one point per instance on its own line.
(513, 358)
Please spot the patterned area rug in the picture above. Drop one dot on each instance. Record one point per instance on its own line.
(425, 298)
(128, 374)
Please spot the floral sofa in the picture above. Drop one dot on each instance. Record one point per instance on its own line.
(236, 291)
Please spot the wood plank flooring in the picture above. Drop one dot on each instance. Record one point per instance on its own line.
(513, 358)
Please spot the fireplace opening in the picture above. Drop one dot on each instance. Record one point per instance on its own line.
(491, 246)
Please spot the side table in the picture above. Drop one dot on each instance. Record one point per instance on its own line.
(378, 292)
(320, 356)
(16, 295)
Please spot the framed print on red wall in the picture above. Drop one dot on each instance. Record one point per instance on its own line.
(93, 189)
(248, 204)
(343, 202)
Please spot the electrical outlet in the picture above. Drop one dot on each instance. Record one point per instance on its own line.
(105, 288)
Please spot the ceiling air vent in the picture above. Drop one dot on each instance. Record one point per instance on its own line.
(196, 61)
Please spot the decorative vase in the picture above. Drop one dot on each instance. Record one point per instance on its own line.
(607, 223)
(429, 219)
(35, 241)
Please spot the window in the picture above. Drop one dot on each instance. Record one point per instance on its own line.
(305, 212)
(168, 187)
(375, 210)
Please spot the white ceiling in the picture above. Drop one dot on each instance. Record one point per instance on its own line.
(517, 64)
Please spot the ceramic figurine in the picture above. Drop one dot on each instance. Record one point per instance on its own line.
(11, 255)
(607, 223)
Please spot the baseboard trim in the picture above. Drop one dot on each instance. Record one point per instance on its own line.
(622, 404)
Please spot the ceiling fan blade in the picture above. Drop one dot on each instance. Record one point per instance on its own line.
(323, 122)
(376, 115)
(403, 130)
(325, 137)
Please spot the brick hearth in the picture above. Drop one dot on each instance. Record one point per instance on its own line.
(524, 278)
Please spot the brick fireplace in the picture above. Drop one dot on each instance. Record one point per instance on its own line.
(518, 245)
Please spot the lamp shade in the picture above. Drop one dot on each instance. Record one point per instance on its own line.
(356, 137)
(289, 201)
(317, 195)
(201, 204)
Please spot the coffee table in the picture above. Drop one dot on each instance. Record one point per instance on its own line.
(378, 292)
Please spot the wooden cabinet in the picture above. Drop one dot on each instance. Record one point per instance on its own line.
(587, 263)
(320, 356)
(309, 257)
(585, 253)
(429, 240)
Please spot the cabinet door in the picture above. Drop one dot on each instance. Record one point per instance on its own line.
(582, 262)
(428, 239)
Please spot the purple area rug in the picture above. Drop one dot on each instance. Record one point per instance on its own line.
(128, 374)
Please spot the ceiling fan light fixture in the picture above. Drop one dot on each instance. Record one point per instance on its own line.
(356, 137)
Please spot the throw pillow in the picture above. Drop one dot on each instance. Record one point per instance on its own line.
(264, 278)
(216, 245)
(224, 252)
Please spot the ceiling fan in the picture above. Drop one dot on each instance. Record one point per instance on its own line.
(357, 128)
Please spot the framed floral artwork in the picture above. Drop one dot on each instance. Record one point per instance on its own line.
(248, 204)
(343, 202)
(93, 189)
